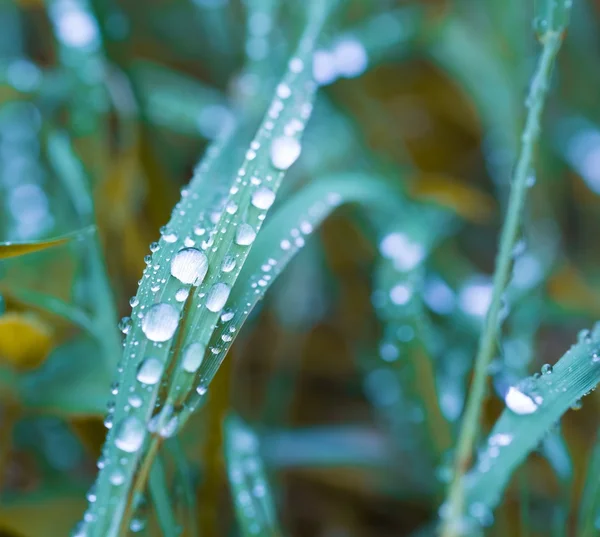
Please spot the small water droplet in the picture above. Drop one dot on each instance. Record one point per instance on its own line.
(182, 294)
(125, 324)
(117, 477)
(169, 236)
(228, 264)
(150, 371)
(193, 355)
(263, 198)
(134, 301)
(245, 234)
(577, 405)
(217, 297)
(160, 322)
(189, 266)
(130, 434)
(547, 369)
(154, 247)
(519, 402)
(227, 316)
(284, 152)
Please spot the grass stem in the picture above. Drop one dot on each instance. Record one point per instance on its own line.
(518, 192)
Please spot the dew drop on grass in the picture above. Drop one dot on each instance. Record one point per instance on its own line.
(182, 294)
(117, 477)
(547, 369)
(284, 152)
(245, 234)
(193, 355)
(228, 264)
(227, 316)
(150, 371)
(519, 402)
(189, 266)
(263, 198)
(130, 434)
(125, 325)
(217, 297)
(160, 323)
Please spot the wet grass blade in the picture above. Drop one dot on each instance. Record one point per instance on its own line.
(159, 491)
(515, 435)
(254, 505)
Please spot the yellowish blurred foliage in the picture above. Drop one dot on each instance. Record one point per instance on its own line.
(25, 340)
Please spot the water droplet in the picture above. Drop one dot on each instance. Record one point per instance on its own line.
(296, 65)
(135, 400)
(350, 57)
(154, 246)
(284, 152)
(190, 266)
(405, 252)
(182, 294)
(217, 297)
(117, 477)
(193, 355)
(150, 371)
(228, 264)
(263, 198)
(500, 439)
(169, 236)
(400, 294)
(547, 369)
(577, 405)
(227, 316)
(134, 301)
(130, 434)
(136, 525)
(245, 234)
(125, 324)
(519, 402)
(160, 322)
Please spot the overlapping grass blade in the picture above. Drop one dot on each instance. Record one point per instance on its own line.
(15, 249)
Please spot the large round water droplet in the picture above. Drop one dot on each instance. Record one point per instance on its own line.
(130, 434)
(263, 198)
(217, 297)
(193, 355)
(245, 235)
(160, 323)
(284, 152)
(519, 402)
(189, 265)
(150, 371)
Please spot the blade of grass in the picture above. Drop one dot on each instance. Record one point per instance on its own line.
(470, 423)
(514, 435)
(254, 505)
(10, 249)
(589, 512)
(161, 499)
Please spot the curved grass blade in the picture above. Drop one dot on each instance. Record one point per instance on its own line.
(179, 102)
(15, 249)
(254, 505)
(281, 238)
(56, 306)
(166, 293)
(514, 436)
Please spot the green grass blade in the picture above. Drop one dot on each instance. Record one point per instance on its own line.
(587, 523)
(254, 505)
(514, 435)
(159, 491)
(10, 249)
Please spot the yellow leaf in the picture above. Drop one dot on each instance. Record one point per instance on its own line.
(14, 249)
(25, 340)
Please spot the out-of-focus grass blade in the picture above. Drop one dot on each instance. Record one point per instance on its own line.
(15, 249)
(542, 400)
(56, 306)
(589, 513)
(179, 102)
(159, 491)
(250, 489)
(186, 480)
(327, 446)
